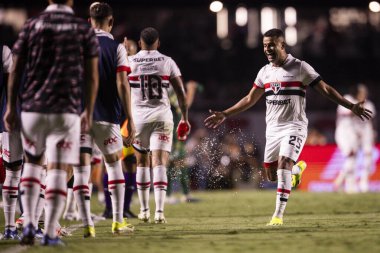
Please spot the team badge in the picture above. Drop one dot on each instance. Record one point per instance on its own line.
(276, 87)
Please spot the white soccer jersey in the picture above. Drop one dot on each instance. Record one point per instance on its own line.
(150, 77)
(285, 90)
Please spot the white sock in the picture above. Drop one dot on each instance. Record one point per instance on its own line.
(143, 187)
(116, 188)
(82, 193)
(56, 187)
(41, 199)
(10, 192)
(284, 186)
(160, 182)
(30, 191)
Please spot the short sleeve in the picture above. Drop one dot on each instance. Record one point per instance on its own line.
(122, 59)
(259, 80)
(309, 76)
(7, 59)
(174, 70)
(91, 44)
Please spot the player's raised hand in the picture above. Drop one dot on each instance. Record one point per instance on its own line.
(215, 119)
(359, 110)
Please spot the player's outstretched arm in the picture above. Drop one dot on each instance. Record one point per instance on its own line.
(329, 92)
(245, 103)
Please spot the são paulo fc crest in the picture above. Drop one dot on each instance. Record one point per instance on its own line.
(276, 87)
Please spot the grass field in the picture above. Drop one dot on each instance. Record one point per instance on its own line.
(227, 221)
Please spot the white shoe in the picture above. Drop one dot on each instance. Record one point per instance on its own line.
(144, 216)
(159, 218)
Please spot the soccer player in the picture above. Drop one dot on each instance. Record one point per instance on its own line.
(284, 81)
(352, 134)
(11, 153)
(57, 50)
(152, 73)
(113, 97)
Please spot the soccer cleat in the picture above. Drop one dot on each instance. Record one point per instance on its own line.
(122, 227)
(296, 179)
(28, 235)
(11, 235)
(89, 232)
(275, 221)
(144, 216)
(159, 218)
(20, 222)
(47, 241)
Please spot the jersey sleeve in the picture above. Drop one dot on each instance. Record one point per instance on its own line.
(122, 60)
(259, 83)
(7, 59)
(174, 70)
(309, 76)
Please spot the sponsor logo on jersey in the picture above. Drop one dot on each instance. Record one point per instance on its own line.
(276, 87)
(148, 59)
(278, 102)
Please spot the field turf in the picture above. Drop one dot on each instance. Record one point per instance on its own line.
(234, 221)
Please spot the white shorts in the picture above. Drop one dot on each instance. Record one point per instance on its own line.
(286, 142)
(12, 148)
(55, 134)
(154, 136)
(107, 137)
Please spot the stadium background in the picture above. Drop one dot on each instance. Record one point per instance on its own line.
(340, 39)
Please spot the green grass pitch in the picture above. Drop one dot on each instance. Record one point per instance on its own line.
(234, 221)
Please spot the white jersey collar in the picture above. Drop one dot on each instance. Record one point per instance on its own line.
(100, 32)
(60, 8)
